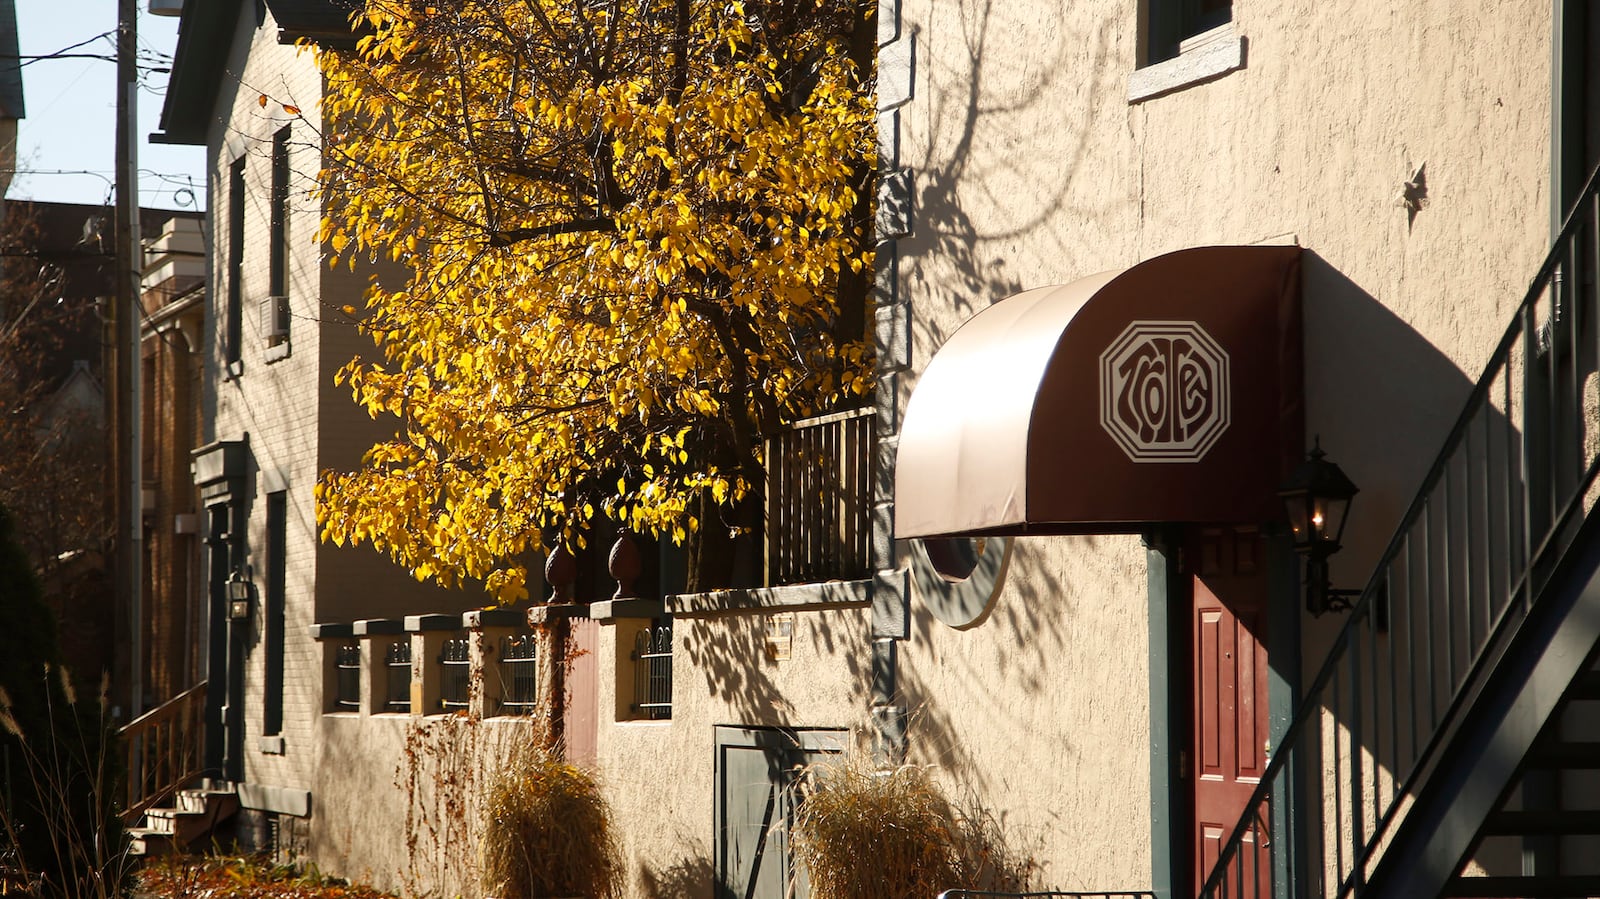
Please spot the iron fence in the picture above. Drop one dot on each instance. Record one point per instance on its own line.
(1501, 504)
(347, 670)
(519, 674)
(397, 661)
(652, 672)
(455, 673)
(819, 499)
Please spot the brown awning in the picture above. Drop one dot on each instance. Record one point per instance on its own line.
(1169, 392)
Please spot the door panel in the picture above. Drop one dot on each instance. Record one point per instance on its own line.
(757, 770)
(1229, 627)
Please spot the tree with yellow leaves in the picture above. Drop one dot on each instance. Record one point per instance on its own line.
(636, 235)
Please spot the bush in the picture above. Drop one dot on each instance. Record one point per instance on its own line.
(547, 833)
(892, 834)
(59, 833)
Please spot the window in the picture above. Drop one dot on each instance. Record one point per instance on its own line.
(652, 671)
(233, 319)
(277, 577)
(397, 665)
(275, 307)
(519, 674)
(1172, 22)
(1183, 43)
(348, 668)
(455, 674)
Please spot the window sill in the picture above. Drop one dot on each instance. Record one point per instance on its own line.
(232, 371)
(272, 745)
(1202, 58)
(277, 352)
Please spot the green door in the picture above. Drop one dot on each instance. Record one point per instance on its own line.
(756, 774)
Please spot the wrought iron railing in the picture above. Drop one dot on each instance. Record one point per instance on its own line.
(455, 674)
(397, 661)
(347, 671)
(519, 674)
(165, 749)
(819, 499)
(652, 671)
(1472, 555)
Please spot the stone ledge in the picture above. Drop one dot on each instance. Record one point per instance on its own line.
(283, 800)
(541, 615)
(432, 622)
(332, 630)
(796, 597)
(372, 627)
(609, 610)
(1205, 57)
(501, 617)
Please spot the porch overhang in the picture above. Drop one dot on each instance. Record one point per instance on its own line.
(1167, 392)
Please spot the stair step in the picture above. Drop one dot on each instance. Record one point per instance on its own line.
(1541, 887)
(143, 841)
(1551, 821)
(1586, 686)
(1565, 755)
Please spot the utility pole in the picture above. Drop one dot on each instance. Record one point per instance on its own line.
(127, 311)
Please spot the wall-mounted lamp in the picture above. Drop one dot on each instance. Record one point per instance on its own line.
(1317, 498)
(238, 596)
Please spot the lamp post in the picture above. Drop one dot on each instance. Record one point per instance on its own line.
(1317, 497)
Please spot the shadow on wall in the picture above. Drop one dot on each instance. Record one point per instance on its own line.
(964, 164)
(1382, 399)
(729, 651)
(687, 878)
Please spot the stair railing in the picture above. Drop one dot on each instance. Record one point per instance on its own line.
(1499, 506)
(165, 750)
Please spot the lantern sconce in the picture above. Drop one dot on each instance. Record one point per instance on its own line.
(240, 594)
(1317, 498)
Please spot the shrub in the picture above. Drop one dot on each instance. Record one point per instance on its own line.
(547, 833)
(59, 832)
(892, 834)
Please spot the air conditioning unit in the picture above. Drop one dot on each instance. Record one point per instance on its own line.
(275, 319)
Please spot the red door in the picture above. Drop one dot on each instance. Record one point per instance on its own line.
(1230, 688)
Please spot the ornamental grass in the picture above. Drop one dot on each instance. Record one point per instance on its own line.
(547, 833)
(866, 834)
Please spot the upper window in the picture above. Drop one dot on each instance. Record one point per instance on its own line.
(275, 307)
(233, 323)
(1184, 42)
(1172, 22)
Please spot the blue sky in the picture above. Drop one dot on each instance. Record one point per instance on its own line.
(66, 146)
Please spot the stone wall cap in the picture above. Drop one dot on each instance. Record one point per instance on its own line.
(433, 622)
(371, 627)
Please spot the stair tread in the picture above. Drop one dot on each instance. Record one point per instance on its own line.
(1554, 886)
(1586, 686)
(1565, 754)
(1543, 821)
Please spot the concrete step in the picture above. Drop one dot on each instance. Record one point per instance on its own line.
(147, 843)
(204, 799)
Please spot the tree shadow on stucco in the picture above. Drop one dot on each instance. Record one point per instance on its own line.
(687, 878)
(729, 652)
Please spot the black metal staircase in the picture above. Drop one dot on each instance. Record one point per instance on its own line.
(1441, 748)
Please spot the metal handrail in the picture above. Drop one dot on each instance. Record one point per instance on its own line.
(1505, 497)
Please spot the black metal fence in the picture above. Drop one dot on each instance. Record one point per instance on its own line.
(455, 673)
(397, 661)
(819, 499)
(519, 674)
(652, 672)
(347, 667)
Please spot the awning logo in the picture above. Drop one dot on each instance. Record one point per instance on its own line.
(1164, 391)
